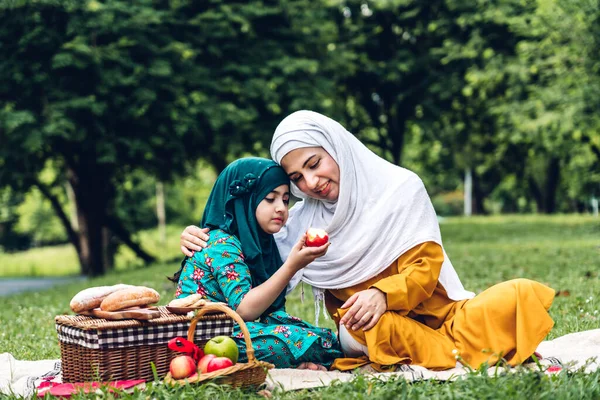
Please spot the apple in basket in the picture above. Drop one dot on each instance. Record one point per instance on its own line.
(210, 363)
(222, 346)
(316, 237)
(204, 361)
(182, 367)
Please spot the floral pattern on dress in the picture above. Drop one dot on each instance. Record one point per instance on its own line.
(231, 274)
(198, 274)
(277, 337)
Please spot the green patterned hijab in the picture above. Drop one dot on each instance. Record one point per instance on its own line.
(231, 206)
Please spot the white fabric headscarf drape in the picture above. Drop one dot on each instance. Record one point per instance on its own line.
(382, 210)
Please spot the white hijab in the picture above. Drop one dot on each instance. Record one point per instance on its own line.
(382, 210)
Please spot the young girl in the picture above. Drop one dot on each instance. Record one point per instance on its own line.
(241, 266)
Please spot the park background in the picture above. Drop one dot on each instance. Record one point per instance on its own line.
(116, 116)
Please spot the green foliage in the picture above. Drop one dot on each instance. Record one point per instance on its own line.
(38, 220)
(185, 198)
(104, 90)
(114, 97)
(450, 203)
(9, 239)
(522, 101)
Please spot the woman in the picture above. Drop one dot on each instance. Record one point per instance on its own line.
(386, 278)
(242, 267)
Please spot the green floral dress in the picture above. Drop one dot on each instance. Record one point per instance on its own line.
(220, 274)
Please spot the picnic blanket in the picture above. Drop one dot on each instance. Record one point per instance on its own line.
(575, 351)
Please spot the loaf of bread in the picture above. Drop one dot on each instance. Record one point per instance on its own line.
(193, 300)
(136, 296)
(91, 298)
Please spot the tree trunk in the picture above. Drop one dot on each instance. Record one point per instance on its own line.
(396, 133)
(468, 193)
(92, 191)
(90, 238)
(545, 196)
(93, 243)
(160, 213)
(478, 197)
(109, 249)
(536, 192)
(552, 181)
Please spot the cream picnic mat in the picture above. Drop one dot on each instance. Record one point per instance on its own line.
(574, 351)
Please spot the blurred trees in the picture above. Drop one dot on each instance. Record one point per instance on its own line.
(105, 98)
(94, 89)
(104, 89)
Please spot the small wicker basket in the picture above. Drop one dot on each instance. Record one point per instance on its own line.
(97, 349)
(250, 374)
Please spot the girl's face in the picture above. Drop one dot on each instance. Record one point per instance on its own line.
(272, 211)
(314, 171)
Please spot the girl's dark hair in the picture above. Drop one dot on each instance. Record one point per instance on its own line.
(175, 277)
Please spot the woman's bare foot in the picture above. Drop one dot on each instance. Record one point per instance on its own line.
(312, 366)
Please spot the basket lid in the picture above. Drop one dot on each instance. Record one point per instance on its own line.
(96, 333)
(166, 317)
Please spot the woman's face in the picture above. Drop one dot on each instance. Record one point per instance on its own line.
(314, 171)
(272, 211)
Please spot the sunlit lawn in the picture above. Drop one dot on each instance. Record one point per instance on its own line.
(561, 251)
(62, 260)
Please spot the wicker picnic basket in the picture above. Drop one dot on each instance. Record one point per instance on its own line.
(252, 373)
(95, 349)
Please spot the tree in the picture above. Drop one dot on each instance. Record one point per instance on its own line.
(95, 89)
(388, 68)
(255, 63)
(102, 90)
(556, 81)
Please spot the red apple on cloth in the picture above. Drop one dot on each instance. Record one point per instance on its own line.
(316, 237)
(203, 363)
(217, 363)
(182, 367)
(222, 346)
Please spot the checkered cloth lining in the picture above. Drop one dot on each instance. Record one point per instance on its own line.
(141, 335)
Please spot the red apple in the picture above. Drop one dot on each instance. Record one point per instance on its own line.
(182, 367)
(203, 363)
(218, 363)
(316, 237)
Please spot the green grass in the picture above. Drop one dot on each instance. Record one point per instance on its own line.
(520, 385)
(62, 260)
(561, 251)
(43, 261)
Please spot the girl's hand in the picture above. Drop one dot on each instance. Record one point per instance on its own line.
(300, 255)
(366, 307)
(193, 239)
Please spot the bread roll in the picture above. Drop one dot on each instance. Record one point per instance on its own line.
(131, 297)
(188, 301)
(91, 298)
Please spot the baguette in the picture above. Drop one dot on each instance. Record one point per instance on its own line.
(135, 296)
(91, 298)
(188, 301)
